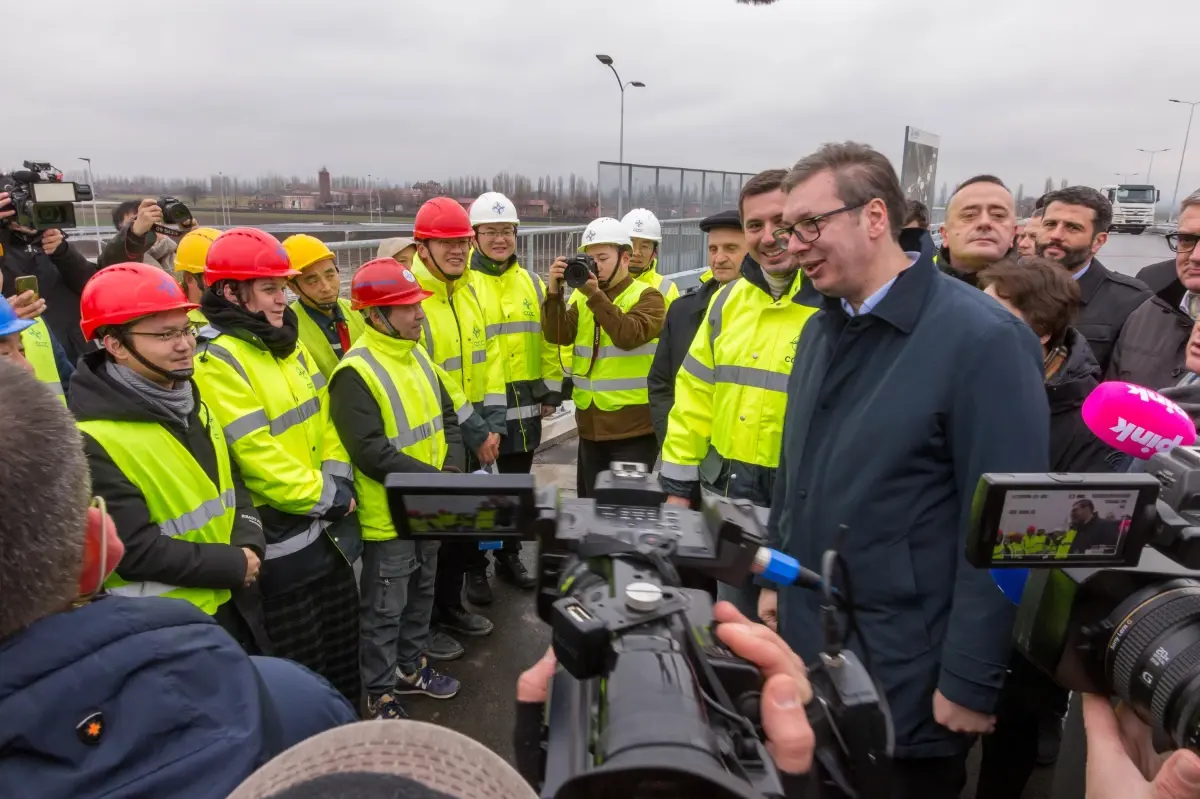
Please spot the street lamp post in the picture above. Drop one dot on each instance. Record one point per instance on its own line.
(1183, 152)
(1150, 169)
(637, 84)
(1123, 176)
(95, 212)
(221, 180)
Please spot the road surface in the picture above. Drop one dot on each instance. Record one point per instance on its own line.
(489, 670)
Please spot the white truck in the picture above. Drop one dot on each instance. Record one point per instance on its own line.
(1132, 206)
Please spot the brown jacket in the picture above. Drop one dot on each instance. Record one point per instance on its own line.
(628, 331)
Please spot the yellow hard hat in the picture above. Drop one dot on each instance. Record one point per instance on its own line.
(192, 249)
(304, 250)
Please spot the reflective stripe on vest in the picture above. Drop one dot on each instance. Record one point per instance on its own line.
(39, 351)
(618, 377)
(180, 496)
(408, 393)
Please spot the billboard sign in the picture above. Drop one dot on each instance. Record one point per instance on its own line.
(918, 173)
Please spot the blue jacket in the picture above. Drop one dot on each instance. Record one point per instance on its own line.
(891, 419)
(144, 698)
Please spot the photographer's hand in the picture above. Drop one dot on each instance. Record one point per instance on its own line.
(6, 209)
(592, 287)
(1122, 763)
(52, 240)
(26, 306)
(554, 284)
(786, 689)
(148, 215)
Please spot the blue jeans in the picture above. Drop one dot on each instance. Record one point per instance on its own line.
(397, 602)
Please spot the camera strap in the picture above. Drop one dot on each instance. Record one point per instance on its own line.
(163, 230)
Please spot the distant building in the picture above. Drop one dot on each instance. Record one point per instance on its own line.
(324, 186)
(299, 202)
(533, 208)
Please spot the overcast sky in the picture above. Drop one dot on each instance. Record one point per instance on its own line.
(424, 90)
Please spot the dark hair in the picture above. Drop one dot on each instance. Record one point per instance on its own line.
(1189, 201)
(119, 213)
(764, 182)
(862, 174)
(980, 179)
(1088, 198)
(1038, 212)
(44, 490)
(1045, 293)
(917, 212)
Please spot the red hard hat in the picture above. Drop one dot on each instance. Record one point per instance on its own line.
(384, 281)
(124, 292)
(442, 218)
(246, 253)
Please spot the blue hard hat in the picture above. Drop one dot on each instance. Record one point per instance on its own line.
(9, 321)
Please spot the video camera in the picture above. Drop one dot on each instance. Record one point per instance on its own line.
(651, 702)
(579, 268)
(1099, 612)
(41, 198)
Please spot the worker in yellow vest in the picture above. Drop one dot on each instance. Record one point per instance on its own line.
(327, 327)
(12, 346)
(396, 411)
(613, 330)
(189, 267)
(512, 300)
(455, 335)
(158, 456)
(37, 346)
(645, 231)
(263, 386)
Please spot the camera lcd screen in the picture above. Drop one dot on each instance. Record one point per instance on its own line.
(53, 192)
(1064, 525)
(448, 515)
(469, 506)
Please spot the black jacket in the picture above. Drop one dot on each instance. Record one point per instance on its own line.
(891, 418)
(1073, 447)
(683, 320)
(1152, 347)
(359, 422)
(61, 277)
(150, 555)
(1161, 276)
(1108, 300)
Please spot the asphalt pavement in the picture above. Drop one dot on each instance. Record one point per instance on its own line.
(489, 670)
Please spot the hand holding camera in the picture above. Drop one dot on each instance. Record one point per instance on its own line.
(557, 269)
(52, 240)
(1122, 761)
(149, 214)
(6, 209)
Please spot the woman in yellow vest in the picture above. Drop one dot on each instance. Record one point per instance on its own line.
(265, 390)
(158, 456)
(396, 411)
(328, 328)
(614, 329)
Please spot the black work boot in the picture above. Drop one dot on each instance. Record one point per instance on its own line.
(479, 591)
(510, 568)
(464, 622)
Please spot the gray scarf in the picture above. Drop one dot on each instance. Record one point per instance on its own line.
(177, 403)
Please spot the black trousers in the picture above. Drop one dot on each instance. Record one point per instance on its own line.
(929, 777)
(596, 456)
(1010, 753)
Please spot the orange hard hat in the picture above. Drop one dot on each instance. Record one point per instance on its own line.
(245, 253)
(384, 281)
(123, 292)
(442, 218)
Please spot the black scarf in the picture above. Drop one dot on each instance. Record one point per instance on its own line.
(234, 320)
(481, 263)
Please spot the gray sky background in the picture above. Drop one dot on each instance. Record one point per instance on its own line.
(425, 90)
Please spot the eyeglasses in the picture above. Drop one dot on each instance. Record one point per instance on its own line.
(171, 336)
(1182, 242)
(498, 234)
(809, 230)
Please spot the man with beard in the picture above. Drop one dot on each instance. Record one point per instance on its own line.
(265, 390)
(1074, 228)
(1091, 531)
(1150, 351)
(981, 221)
(725, 429)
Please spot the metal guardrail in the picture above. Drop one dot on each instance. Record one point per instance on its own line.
(682, 248)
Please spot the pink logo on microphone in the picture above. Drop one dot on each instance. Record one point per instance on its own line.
(1137, 421)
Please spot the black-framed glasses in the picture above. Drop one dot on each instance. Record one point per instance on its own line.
(1182, 242)
(171, 336)
(809, 230)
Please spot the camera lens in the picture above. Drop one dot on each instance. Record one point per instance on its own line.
(1153, 657)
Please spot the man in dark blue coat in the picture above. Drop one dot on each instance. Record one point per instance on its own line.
(116, 696)
(907, 386)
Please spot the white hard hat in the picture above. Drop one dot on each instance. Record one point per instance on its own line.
(643, 224)
(605, 230)
(491, 207)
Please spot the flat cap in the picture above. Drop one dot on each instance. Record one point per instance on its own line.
(723, 219)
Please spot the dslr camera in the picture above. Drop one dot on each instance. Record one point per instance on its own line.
(579, 268)
(174, 211)
(648, 701)
(1105, 581)
(41, 198)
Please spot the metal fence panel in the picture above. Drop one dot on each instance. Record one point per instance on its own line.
(670, 192)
